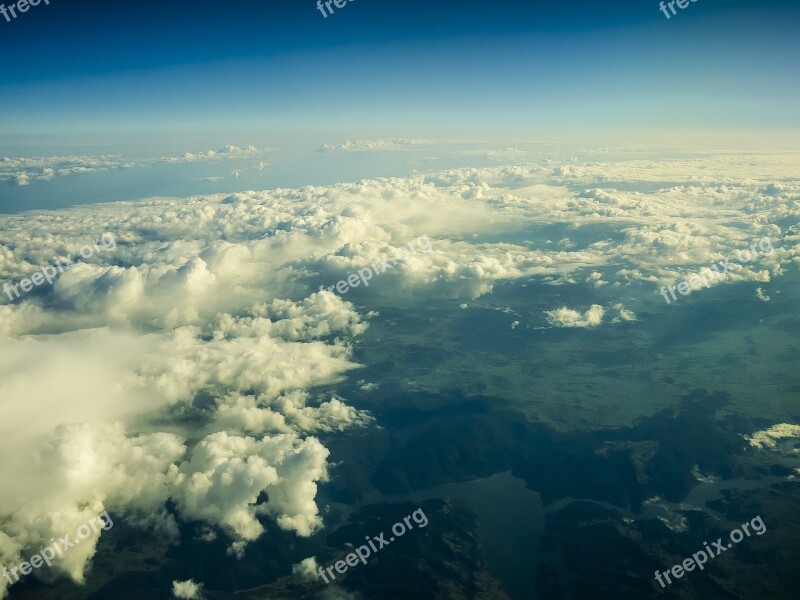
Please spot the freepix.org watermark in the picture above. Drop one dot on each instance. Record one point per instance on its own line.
(706, 275)
(681, 4)
(327, 3)
(49, 272)
(362, 553)
(57, 548)
(421, 244)
(22, 7)
(701, 557)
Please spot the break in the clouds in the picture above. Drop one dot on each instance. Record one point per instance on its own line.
(217, 299)
(21, 171)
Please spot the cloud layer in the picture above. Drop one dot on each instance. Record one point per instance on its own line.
(185, 365)
(21, 171)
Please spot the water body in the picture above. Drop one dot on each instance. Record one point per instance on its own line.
(511, 521)
(696, 499)
(512, 518)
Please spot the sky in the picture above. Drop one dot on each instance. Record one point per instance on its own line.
(102, 69)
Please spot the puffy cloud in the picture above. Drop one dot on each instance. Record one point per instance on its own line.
(21, 171)
(306, 569)
(624, 314)
(270, 240)
(596, 279)
(769, 438)
(286, 413)
(222, 481)
(80, 471)
(44, 168)
(228, 151)
(187, 590)
(567, 317)
(74, 444)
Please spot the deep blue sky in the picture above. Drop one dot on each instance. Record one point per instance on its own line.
(84, 65)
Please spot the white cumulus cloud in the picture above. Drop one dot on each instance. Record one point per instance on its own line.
(567, 317)
(187, 590)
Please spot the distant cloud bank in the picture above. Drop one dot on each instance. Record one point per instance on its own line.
(21, 171)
